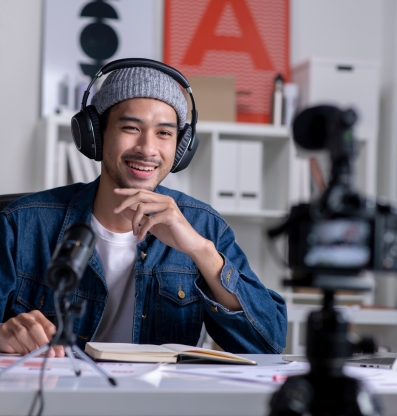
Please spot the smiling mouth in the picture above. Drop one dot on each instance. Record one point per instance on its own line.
(141, 168)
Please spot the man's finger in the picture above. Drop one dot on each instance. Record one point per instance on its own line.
(11, 345)
(141, 196)
(59, 351)
(129, 213)
(39, 327)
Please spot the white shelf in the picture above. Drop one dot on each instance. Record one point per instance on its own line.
(262, 215)
(292, 297)
(244, 130)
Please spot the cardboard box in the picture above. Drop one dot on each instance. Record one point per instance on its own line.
(215, 98)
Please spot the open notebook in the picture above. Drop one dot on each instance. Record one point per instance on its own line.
(387, 360)
(166, 353)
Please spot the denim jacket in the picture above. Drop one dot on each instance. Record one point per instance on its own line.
(32, 226)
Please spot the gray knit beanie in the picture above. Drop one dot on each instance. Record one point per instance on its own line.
(140, 82)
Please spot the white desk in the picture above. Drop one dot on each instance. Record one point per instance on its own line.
(175, 394)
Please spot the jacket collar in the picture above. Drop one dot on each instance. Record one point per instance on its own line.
(80, 207)
(80, 210)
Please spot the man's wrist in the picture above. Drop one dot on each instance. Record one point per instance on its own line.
(202, 251)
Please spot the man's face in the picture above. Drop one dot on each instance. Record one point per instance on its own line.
(139, 143)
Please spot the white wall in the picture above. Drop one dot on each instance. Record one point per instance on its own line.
(387, 151)
(20, 35)
(347, 29)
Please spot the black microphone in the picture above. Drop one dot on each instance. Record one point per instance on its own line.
(310, 127)
(70, 258)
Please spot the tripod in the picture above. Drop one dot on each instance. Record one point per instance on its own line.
(325, 390)
(65, 337)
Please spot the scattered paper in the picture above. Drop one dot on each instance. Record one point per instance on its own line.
(63, 367)
(377, 380)
(258, 374)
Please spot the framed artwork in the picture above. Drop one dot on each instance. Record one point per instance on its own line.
(80, 36)
(244, 39)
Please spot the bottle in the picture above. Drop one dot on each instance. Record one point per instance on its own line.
(278, 101)
(291, 95)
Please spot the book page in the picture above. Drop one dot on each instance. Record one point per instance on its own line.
(205, 351)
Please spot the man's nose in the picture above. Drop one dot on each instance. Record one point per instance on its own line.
(147, 143)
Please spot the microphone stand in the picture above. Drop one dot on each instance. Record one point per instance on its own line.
(65, 337)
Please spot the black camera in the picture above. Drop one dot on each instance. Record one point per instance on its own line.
(330, 242)
(342, 232)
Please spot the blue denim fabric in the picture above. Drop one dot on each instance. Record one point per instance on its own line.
(32, 226)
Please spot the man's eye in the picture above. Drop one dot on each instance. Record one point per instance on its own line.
(165, 133)
(129, 128)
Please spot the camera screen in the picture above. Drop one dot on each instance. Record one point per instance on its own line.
(339, 243)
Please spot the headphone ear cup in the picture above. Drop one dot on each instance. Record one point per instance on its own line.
(96, 143)
(86, 132)
(183, 155)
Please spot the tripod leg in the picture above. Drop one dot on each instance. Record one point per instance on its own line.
(75, 366)
(26, 357)
(92, 363)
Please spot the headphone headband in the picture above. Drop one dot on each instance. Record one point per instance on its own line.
(149, 63)
(139, 62)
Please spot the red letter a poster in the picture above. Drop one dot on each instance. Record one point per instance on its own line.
(246, 39)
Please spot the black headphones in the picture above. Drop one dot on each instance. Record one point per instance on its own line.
(86, 129)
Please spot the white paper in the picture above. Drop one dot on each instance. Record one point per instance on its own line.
(274, 374)
(377, 380)
(63, 367)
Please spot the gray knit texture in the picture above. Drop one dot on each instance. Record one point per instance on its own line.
(141, 82)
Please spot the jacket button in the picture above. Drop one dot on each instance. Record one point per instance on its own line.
(181, 294)
(41, 303)
(143, 255)
(214, 308)
(229, 273)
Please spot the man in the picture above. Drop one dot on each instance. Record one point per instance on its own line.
(164, 262)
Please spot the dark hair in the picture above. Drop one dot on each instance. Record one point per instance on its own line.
(104, 119)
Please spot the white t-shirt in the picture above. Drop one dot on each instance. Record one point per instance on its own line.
(117, 252)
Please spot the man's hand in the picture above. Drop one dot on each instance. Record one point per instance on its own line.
(166, 222)
(26, 332)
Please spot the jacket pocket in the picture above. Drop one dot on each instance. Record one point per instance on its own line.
(178, 308)
(34, 295)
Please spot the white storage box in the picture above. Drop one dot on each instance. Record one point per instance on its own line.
(344, 83)
(238, 175)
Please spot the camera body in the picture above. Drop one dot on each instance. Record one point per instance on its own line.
(344, 243)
